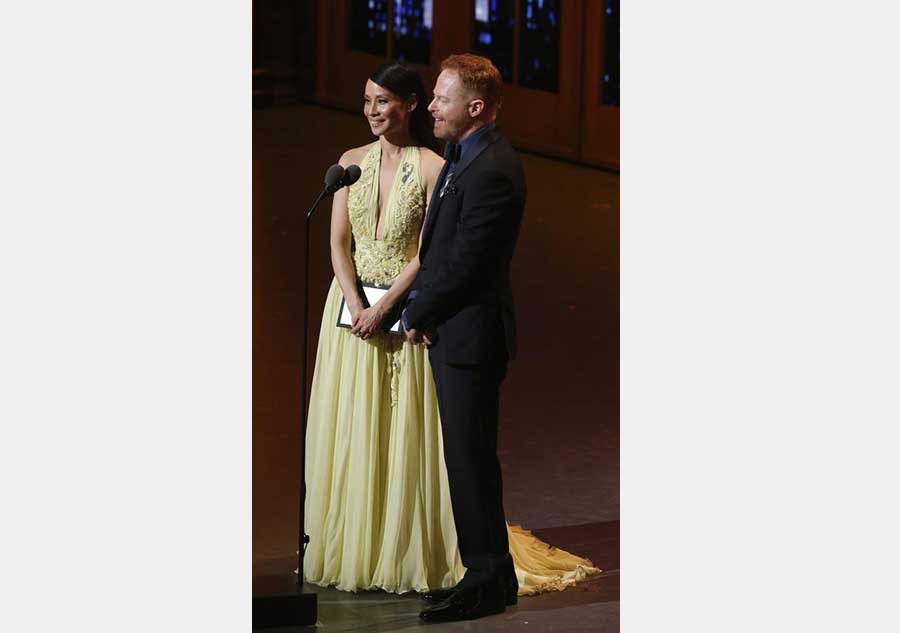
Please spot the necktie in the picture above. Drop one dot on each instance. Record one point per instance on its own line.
(451, 155)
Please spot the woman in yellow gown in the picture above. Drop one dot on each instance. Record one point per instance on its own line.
(378, 510)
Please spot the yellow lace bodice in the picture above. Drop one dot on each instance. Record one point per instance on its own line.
(380, 261)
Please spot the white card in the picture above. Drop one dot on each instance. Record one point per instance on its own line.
(373, 294)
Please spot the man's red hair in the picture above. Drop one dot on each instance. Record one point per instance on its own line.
(477, 75)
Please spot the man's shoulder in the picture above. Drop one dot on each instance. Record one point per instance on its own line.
(501, 149)
(500, 156)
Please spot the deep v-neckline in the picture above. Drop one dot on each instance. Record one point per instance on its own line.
(390, 197)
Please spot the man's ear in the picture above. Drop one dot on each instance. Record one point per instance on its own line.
(476, 107)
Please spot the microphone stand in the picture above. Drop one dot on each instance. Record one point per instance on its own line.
(278, 600)
(304, 538)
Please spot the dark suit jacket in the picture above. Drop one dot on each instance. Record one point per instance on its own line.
(463, 287)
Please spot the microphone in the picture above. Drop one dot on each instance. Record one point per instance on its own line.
(337, 177)
(333, 178)
(351, 175)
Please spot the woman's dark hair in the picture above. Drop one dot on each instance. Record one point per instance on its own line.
(405, 82)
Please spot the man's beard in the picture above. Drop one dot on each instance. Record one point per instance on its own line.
(449, 132)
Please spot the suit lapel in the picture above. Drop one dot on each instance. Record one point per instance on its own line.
(433, 205)
(481, 143)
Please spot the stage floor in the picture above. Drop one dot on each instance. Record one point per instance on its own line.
(559, 436)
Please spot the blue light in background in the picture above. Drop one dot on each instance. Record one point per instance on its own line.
(412, 30)
(481, 11)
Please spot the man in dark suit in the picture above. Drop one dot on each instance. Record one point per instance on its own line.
(460, 306)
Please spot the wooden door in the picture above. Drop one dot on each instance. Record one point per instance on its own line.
(542, 97)
(600, 106)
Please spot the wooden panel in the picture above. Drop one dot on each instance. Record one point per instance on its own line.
(343, 72)
(452, 31)
(342, 75)
(599, 123)
(545, 121)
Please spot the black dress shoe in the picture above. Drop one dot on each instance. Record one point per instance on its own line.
(468, 603)
(510, 592)
(437, 595)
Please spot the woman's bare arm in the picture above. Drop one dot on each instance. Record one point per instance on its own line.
(341, 240)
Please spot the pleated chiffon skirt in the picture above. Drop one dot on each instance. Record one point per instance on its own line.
(378, 511)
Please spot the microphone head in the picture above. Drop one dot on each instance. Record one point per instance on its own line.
(351, 175)
(333, 177)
